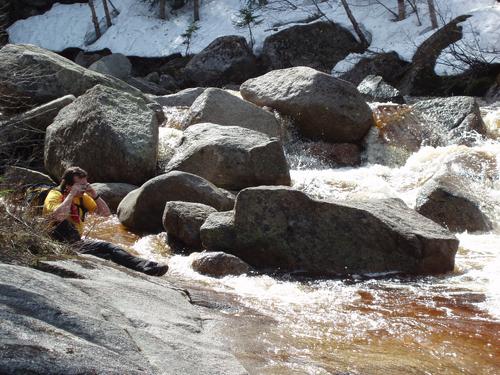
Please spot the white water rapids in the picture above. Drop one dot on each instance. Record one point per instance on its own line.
(428, 325)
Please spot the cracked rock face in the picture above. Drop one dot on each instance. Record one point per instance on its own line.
(93, 321)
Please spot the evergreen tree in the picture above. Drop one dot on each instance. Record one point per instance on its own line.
(188, 35)
(246, 18)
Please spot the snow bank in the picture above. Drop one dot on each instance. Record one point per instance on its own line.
(138, 31)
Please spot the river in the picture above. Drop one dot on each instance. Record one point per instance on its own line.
(383, 324)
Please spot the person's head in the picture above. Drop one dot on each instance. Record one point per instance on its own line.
(71, 176)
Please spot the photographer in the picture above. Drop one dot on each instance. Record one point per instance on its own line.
(67, 206)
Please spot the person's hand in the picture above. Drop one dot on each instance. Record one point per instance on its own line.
(90, 191)
(77, 189)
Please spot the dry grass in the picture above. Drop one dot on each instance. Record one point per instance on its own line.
(23, 236)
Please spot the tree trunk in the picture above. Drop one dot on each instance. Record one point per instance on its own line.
(163, 14)
(196, 10)
(4, 21)
(401, 10)
(95, 21)
(106, 12)
(432, 14)
(357, 29)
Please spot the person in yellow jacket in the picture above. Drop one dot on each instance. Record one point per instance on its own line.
(67, 206)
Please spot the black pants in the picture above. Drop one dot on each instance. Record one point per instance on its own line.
(66, 232)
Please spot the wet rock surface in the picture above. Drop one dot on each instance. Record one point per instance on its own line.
(450, 204)
(278, 227)
(218, 264)
(96, 323)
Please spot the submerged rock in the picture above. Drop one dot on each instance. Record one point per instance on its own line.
(323, 107)
(102, 319)
(183, 220)
(111, 134)
(223, 108)
(281, 228)
(231, 157)
(218, 264)
(142, 209)
(452, 206)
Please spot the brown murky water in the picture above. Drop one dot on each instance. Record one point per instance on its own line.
(432, 325)
(381, 326)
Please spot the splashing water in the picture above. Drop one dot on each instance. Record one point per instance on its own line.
(448, 324)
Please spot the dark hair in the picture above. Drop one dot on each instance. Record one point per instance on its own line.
(69, 174)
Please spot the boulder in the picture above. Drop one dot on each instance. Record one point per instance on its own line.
(231, 157)
(111, 134)
(374, 89)
(457, 118)
(142, 209)
(86, 59)
(387, 65)
(184, 98)
(281, 228)
(182, 221)
(218, 264)
(228, 59)
(32, 76)
(168, 83)
(113, 193)
(223, 108)
(146, 86)
(23, 134)
(292, 46)
(100, 318)
(451, 205)
(15, 177)
(323, 107)
(116, 65)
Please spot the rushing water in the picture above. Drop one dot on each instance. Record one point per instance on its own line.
(381, 325)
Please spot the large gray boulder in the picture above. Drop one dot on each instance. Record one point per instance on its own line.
(18, 177)
(111, 134)
(278, 227)
(116, 65)
(218, 264)
(23, 134)
(450, 204)
(113, 192)
(223, 108)
(374, 89)
(32, 76)
(103, 319)
(184, 98)
(293, 47)
(228, 59)
(458, 118)
(142, 209)
(231, 157)
(323, 107)
(182, 221)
